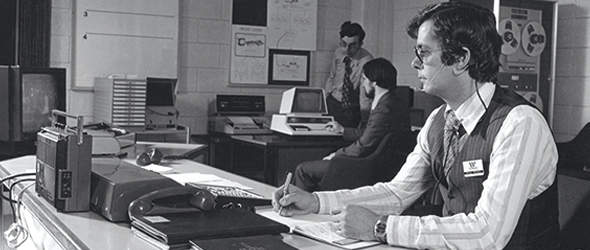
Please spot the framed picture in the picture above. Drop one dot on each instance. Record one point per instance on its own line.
(288, 67)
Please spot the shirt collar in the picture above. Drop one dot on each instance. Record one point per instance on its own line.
(472, 109)
(376, 99)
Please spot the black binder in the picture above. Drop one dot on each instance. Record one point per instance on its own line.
(174, 228)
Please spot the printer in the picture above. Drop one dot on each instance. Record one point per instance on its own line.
(239, 115)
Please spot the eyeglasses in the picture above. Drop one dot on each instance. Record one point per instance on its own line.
(421, 54)
(343, 44)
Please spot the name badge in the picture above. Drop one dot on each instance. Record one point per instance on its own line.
(473, 168)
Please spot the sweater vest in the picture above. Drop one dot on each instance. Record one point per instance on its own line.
(538, 225)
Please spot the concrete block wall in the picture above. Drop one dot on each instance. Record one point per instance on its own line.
(204, 57)
(572, 83)
(403, 52)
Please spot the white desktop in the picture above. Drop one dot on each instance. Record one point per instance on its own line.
(303, 112)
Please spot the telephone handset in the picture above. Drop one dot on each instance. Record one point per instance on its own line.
(177, 200)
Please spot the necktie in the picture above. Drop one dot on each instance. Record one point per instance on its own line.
(451, 138)
(347, 84)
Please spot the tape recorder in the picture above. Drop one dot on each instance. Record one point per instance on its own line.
(63, 165)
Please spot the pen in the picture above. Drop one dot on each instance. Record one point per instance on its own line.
(286, 188)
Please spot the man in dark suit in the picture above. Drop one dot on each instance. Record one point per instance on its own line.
(388, 113)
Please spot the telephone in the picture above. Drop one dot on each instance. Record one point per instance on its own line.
(177, 200)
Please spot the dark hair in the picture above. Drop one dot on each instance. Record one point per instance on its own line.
(461, 24)
(381, 71)
(352, 29)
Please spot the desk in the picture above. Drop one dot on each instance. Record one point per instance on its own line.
(269, 158)
(89, 230)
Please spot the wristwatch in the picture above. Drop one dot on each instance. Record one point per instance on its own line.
(380, 229)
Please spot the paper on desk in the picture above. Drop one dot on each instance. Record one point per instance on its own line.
(324, 231)
(242, 120)
(318, 227)
(204, 179)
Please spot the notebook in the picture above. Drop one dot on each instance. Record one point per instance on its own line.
(258, 242)
(174, 228)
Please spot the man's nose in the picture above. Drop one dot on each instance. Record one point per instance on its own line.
(416, 64)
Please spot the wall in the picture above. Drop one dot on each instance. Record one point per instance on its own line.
(204, 55)
(572, 88)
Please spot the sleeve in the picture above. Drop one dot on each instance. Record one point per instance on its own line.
(329, 87)
(522, 165)
(413, 179)
(377, 127)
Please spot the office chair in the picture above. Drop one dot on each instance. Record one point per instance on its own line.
(573, 181)
(574, 153)
(382, 165)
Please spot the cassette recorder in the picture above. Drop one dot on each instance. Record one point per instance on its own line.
(63, 166)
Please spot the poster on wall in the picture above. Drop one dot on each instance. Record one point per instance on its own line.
(288, 67)
(259, 26)
(249, 59)
(292, 24)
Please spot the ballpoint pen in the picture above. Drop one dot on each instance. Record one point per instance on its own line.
(286, 188)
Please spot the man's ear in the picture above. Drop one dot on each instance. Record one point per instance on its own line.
(462, 63)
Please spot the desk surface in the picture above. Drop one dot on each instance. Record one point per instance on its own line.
(89, 230)
(286, 140)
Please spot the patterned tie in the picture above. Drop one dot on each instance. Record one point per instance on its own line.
(451, 138)
(347, 84)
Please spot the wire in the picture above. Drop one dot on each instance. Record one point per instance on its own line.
(16, 233)
(12, 177)
(176, 112)
(480, 99)
(12, 185)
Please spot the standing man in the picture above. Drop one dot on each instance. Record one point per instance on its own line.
(346, 103)
(488, 152)
(388, 114)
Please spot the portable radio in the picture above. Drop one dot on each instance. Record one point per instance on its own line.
(64, 163)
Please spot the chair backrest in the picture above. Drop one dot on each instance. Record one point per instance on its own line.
(381, 165)
(574, 154)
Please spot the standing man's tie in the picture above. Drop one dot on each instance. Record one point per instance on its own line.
(347, 84)
(451, 138)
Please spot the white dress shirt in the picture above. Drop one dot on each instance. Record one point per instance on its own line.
(522, 165)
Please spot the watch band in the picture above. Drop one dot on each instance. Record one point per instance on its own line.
(380, 229)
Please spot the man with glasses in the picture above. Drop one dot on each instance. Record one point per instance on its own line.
(488, 152)
(346, 103)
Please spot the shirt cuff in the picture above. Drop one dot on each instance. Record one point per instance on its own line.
(326, 202)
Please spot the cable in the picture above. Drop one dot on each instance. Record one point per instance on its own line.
(12, 177)
(16, 233)
(176, 112)
(480, 99)
(12, 185)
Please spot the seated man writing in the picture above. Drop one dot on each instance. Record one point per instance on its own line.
(388, 113)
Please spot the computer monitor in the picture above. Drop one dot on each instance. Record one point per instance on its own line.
(304, 100)
(27, 97)
(160, 92)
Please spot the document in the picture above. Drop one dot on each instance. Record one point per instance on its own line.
(325, 232)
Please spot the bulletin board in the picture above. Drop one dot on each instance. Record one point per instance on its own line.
(261, 26)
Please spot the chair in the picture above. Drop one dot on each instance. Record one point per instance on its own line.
(574, 154)
(382, 165)
(573, 181)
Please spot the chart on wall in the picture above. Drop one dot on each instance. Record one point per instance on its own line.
(261, 25)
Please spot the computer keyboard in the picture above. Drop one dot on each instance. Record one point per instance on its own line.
(234, 194)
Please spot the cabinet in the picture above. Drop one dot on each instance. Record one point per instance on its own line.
(120, 102)
(268, 158)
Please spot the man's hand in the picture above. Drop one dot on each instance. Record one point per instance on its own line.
(296, 201)
(329, 157)
(355, 221)
(334, 127)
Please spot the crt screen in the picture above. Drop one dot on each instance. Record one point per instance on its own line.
(160, 94)
(39, 98)
(308, 101)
